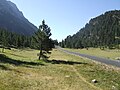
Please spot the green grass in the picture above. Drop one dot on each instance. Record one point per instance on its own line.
(20, 70)
(111, 54)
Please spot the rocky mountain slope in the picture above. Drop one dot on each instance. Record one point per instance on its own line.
(13, 20)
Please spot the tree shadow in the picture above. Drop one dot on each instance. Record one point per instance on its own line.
(4, 67)
(63, 62)
(16, 55)
(5, 59)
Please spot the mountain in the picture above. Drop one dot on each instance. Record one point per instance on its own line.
(102, 31)
(13, 20)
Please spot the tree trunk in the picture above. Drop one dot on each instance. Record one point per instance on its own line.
(40, 54)
(3, 49)
(40, 51)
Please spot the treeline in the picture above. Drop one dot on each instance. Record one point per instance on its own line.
(39, 40)
(102, 31)
(10, 39)
(13, 40)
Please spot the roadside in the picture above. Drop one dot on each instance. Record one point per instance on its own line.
(113, 54)
(99, 59)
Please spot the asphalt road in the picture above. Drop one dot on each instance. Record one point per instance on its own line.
(95, 58)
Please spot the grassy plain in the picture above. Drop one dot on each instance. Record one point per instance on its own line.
(20, 70)
(107, 53)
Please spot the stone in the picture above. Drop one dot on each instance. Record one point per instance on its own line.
(117, 58)
(94, 81)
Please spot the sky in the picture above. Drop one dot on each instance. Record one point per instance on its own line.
(64, 17)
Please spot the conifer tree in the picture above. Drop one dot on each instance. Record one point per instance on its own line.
(42, 38)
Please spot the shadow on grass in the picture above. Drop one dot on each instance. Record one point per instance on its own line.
(63, 62)
(16, 55)
(5, 59)
(4, 67)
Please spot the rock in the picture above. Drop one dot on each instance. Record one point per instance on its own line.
(117, 58)
(94, 81)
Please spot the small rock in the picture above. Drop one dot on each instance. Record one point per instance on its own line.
(94, 81)
(117, 58)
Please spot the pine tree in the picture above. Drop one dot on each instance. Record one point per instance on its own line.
(42, 38)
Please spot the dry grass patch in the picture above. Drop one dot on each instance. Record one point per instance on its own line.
(46, 76)
(61, 72)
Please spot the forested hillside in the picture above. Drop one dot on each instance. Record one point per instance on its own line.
(102, 31)
(12, 39)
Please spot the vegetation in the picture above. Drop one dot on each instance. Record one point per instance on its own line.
(102, 31)
(13, 20)
(10, 39)
(42, 38)
(20, 69)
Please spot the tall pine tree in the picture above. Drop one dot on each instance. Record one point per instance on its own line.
(42, 38)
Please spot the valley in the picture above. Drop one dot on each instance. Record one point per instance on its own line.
(21, 69)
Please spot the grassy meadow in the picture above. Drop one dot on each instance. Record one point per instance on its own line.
(21, 70)
(107, 53)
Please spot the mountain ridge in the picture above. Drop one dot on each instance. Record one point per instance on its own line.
(12, 19)
(101, 31)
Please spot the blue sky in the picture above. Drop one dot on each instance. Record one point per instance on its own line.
(64, 17)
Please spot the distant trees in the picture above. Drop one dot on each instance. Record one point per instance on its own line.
(102, 31)
(55, 42)
(42, 38)
(10, 39)
(3, 41)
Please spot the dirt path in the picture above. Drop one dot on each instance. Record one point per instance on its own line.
(83, 79)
